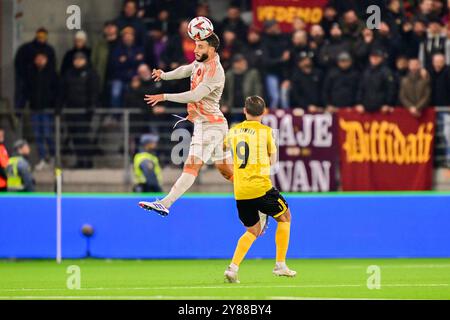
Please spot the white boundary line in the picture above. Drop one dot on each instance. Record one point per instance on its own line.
(230, 286)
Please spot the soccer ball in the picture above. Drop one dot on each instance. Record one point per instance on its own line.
(200, 28)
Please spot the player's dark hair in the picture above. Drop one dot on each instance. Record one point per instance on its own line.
(255, 106)
(214, 41)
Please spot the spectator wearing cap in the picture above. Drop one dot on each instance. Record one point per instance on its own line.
(377, 86)
(42, 89)
(80, 90)
(306, 85)
(4, 158)
(146, 167)
(24, 60)
(102, 56)
(415, 90)
(129, 18)
(253, 49)
(433, 43)
(334, 45)
(233, 22)
(79, 45)
(275, 55)
(20, 178)
(240, 82)
(440, 81)
(341, 84)
(125, 59)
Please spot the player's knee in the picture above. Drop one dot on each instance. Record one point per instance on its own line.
(286, 217)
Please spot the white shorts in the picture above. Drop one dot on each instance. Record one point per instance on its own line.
(207, 141)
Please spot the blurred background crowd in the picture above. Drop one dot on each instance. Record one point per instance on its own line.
(337, 63)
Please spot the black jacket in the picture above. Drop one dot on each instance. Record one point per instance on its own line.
(340, 87)
(68, 58)
(377, 88)
(273, 47)
(80, 88)
(306, 89)
(440, 87)
(25, 57)
(42, 88)
(331, 49)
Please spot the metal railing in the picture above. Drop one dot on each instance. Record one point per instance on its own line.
(108, 138)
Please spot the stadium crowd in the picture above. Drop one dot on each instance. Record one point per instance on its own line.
(337, 63)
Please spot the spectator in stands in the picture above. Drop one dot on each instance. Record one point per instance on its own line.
(101, 57)
(362, 48)
(377, 86)
(24, 61)
(433, 43)
(42, 90)
(306, 84)
(147, 171)
(233, 22)
(329, 19)
(125, 59)
(440, 81)
(155, 45)
(80, 45)
(203, 10)
(401, 70)
(395, 17)
(180, 48)
(415, 91)
(298, 24)
(425, 10)
(341, 84)
(351, 26)
(317, 39)
(20, 178)
(129, 18)
(179, 10)
(335, 45)
(388, 42)
(4, 158)
(412, 37)
(240, 82)
(275, 56)
(253, 49)
(141, 85)
(230, 46)
(299, 47)
(80, 90)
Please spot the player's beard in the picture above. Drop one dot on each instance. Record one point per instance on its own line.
(202, 58)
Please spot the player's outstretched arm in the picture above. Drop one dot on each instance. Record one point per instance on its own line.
(179, 73)
(185, 97)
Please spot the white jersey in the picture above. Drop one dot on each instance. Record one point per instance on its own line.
(207, 83)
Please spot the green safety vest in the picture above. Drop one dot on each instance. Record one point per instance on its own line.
(139, 177)
(15, 182)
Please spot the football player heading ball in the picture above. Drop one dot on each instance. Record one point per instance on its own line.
(210, 126)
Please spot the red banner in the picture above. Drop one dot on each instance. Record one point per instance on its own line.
(386, 151)
(284, 11)
(307, 150)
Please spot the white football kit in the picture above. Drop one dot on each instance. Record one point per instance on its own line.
(210, 125)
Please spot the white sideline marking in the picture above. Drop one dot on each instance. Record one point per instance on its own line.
(228, 286)
(174, 298)
(399, 266)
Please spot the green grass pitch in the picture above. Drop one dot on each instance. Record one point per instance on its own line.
(203, 279)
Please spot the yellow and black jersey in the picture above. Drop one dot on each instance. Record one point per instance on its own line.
(252, 145)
